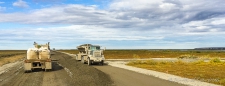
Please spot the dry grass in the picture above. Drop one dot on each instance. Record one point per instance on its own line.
(8, 53)
(212, 72)
(11, 59)
(127, 54)
(8, 56)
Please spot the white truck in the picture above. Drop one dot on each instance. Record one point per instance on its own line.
(38, 57)
(90, 54)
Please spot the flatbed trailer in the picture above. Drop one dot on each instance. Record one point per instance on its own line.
(38, 57)
(32, 64)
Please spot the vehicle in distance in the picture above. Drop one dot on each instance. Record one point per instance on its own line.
(38, 57)
(90, 54)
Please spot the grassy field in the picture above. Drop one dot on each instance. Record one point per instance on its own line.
(8, 56)
(8, 53)
(212, 72)
(127, 54)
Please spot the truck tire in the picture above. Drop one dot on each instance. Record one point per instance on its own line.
(102, 63)
(76, 58)
(27, 71)
(89, 61)
(82, 60)
(47, 70)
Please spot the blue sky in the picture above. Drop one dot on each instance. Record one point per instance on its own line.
(114, 24)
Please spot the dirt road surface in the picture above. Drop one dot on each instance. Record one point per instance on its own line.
(69, 72)
(66, 72)
(123, 77)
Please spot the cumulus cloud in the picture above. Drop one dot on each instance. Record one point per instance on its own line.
(46, 0)
(142, 14)
(171, 22)
(76, 32)
(2, 8)
(73, 34)
(20, 3)
(105, 36)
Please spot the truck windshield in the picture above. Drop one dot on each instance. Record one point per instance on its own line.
(95, 48)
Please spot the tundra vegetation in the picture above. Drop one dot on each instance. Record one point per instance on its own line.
(212, 71)
(9, 56)
(141, 54)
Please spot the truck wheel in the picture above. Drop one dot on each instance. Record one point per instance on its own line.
(76, 58)
(102, 63)
(89, 61)
(47, 70)
(27, 71)
(82, 60)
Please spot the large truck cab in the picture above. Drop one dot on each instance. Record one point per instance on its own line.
(90, 54)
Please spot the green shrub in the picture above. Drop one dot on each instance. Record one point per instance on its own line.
(164, 63)
(215, 60)
(136, 56)
(135, 62)
(199, 62)
(151, 62)
(222, 81)
(187, 56)
(198, 51)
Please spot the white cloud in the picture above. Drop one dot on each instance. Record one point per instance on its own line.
(130, 4)
(72, 34)
(143, 14)
(166, 22)
(2, 2)
(218, 21)
(20, 3)
(2, 8)
(77, 32)
(52, 1)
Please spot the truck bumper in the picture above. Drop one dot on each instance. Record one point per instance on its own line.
(32, 64)
(27, 66)
(48, 65)
(98, 60)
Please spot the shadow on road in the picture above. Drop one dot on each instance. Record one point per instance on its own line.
(55, 67)
(99, 64)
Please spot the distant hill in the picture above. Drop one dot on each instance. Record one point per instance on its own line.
(211, 48)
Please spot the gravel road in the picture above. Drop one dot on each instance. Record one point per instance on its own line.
(123, 77)
(69, 72)
(66, 72)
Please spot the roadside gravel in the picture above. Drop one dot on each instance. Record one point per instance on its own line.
(165, 76)
(8, 67)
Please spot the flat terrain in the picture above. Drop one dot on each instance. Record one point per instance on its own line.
(123, 77)
(189, 63)
(211, 72)
(158, 53)
(9, 56)
(66, 72)
(69, 72)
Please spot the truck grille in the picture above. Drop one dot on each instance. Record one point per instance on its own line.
(97, 54)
